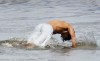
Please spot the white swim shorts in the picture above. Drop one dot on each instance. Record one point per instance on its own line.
(41, 35)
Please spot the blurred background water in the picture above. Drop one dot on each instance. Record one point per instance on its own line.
(19, 17)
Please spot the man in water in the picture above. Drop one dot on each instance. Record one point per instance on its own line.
(43, 32)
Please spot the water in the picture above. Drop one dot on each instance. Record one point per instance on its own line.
(19, 17)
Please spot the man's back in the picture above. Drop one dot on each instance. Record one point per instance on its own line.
(59, 25)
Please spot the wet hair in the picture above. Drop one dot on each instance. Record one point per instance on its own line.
(66, 36)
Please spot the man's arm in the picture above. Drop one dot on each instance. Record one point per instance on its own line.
(72, 33)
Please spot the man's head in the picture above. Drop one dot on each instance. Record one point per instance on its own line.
(65, 36)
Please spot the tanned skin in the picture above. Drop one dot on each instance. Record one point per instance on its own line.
(65, 29)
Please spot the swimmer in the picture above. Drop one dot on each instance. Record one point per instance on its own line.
(43, 32)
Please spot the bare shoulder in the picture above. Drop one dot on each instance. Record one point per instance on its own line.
(59, 23)
(54, 21)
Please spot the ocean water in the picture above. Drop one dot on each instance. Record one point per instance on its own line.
(19, 17)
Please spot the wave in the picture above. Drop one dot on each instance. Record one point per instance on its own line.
(13, 1)
(83, 42)
(54, 2)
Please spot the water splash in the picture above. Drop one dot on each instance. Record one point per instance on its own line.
(85, 40)
(13, 42)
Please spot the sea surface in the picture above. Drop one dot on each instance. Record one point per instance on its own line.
(19, 17)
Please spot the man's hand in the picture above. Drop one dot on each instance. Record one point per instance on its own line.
(73, 42)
